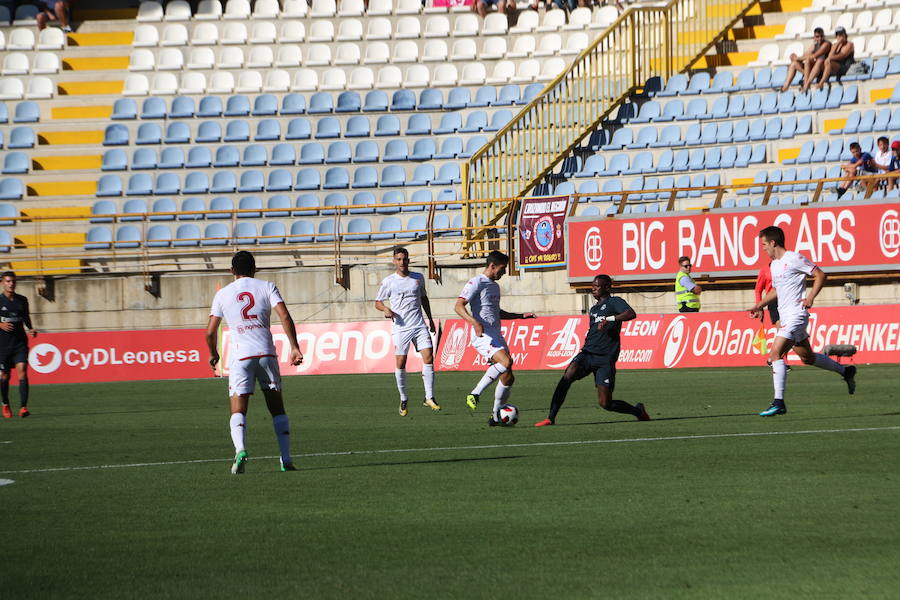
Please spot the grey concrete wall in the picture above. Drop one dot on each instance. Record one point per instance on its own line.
(104, 302)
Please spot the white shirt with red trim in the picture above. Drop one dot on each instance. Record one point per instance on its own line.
(405, 295)
(789, 275)
(483, 295)
(246, 305)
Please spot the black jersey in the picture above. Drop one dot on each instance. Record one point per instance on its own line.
(13, 311)
(605, 341)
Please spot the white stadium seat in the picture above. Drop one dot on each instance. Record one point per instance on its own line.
(389, 77)
(292, 32)
(551, 45)
(318, 55)
(266, 9)
(192, 82)
(277, 80)
(377, 53)
(51, 38)
(528, 22)
(145, 35)
(150, 12)
(435, 51)
(525, 45)
(495, 24)
(493, 48)
(178, 10)
(504, 70)
(445, 75)
(234, 34)
(473, 73)
(527, 71)
(305, 80)
(174, 34)
(294, 9)
(466, 25)
(321, 31)
(407, 28)
(350, 30)
(351, 8)
(554, 20)
(261, 57)
(201, 58)
(379, 29)
(379, 8)
(577, 42)
(205, 34)
(408, 7)
(437, 26)
(417, 76)
(136, 84)
(289, 55)
(11, 88)
(231, 57)
(361, 78)
(21, 39)
(347, 54)
(263, 33)
(463, 50)
(45, 62)
(406, 51)
(249, 82)
(220, 82)
(208, 10)
(580, 18)
(15, 63)
(323, 8)
(170, 59)
(237, 10)
(164, 84)
(550, 68)
(141, 60)
(333, 79)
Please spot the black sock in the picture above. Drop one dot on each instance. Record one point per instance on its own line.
(620, 406)
(23, 391)
(4, 390)
(841, 191)
(778, 401)
(559, 396)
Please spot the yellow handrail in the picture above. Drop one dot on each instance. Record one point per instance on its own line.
(644, 42)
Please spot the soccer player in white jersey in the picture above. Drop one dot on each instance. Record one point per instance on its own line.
(482, 295)
(246, 304)
(789, 272)
(406, 293)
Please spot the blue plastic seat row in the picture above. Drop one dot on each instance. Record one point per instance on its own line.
(273, 232)
(185, 107)
(612, 188)
(837, 149)
(715, 157)
(198, 182)
(11, 189)
(871, 119)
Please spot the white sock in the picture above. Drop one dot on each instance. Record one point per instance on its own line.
(400, 375)
(283, 433)
(493, 372)
(501, 394)
(428, 380)
(237, 423)
(779, 378)
(823, 362)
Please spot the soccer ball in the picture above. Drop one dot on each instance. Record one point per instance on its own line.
(509, 414)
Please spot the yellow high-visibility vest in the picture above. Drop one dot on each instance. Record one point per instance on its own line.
(682, 294)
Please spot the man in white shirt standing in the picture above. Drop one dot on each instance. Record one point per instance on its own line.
(246, 304)
(406, 293)
(482, 294)
(789, 272)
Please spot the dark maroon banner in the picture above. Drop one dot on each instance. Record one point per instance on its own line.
(541, 222)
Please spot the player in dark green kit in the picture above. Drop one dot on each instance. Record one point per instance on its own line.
(14, 318)
(599, 354)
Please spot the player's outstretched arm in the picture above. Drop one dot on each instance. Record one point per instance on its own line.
(288, 323)
(819, 278)
(212, 340)
(464, 314)
(756, 310)
(508, 315)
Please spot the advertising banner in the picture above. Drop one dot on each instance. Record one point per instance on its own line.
(861, 237)
(679, 340)
(541, 222)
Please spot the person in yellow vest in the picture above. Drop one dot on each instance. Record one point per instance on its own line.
(687, 293)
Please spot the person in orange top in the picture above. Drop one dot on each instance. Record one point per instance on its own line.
(763, 287)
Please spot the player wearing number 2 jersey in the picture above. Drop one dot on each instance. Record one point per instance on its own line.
(789, 273)
(246, 304)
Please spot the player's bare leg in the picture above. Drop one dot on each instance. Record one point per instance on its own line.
(400, 376)
(605, 399)
(428, 378)
(501, 362)
(238, 424)
(281, 424)
(817, 359)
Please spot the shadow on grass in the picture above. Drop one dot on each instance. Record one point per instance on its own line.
(688, 418)
(397, 463)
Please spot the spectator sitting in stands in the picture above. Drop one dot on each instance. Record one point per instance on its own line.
(807, 62)
(861, 163)
(568, 5)
(55, 10)
(839, 59)
(504, 7)
(882, 158)
(894, 166)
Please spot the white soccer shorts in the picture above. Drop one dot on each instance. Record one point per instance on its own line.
(243, 374)
(793, 327)
(419, 337)
(488, 344)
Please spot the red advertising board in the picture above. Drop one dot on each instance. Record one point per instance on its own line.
(679, 340)
(857, 237)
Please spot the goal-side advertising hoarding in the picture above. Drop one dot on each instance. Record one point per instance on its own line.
(865, 237)
(650, 341)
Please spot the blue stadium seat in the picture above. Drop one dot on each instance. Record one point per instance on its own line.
(645, 137)
(610, 190)
(642, 163)
(395, 197)
(336, 178)
(530, 92)
(387, 125)
(393, 176)
(251, 181)
(144, 158)
(278, 205)
(564, 188)
(252, 204)
(376, 101)
(696, 109)
(98, 238)
(139, 184)
(124, 109)
(108, 185)
(268, 130)
(396, 150)
(451, 147)
(861, 122)
(423, 149)
(15, 163)
(676, 84)
(114, 160)
(307, 205)
(237, 106)
(743, 156)
(4, 113)
(387, 229)
(301, 232)
(178, 132)
(773, 129)
(670, 136)
(187, 235)
(475, 122)
(338, 152)
(366, 151)
(358, 229)
(328, 127)
(128, 236)
(280, 180)
(196, 183)
(753, 105)
(363, 203)
(448, 174)
(199, 157)
(835, 148)
(216, 234)
(265, 105)
(593, 166)
(273, 232)
(191, 205)
(312, 153)
(159, 236)
(307, 179)
(114, 135)
(672, 111)
(237, 130)
(729, 155)
(163, 205)
(450, 123)
(299, 128)
(320, 103)
(224, 207)
(473, 145)
(357, 126)
(283, 154)
(499, 120)
(699, 84)
(365, 177)
(769, 104)
(209, 132)
(423, 175)
(650, 111)
(418, 124)
(348, 101)
(484, 96)
(416, 227)
(149, 133)
(617, 164)
(333, 200)
(134, 209)
(693, 133)
(153, 108)
(26, 112)
(420, 200)
(431, 99)
(326, 231)
(182, 108)
(508, 95)
(458, 98)
(403, 100)
(293, 104)
(722, 82)
(254, 156)
(449, 199)
(167, 184)
(741, 131)
(227, 156)
(210, 106)
(101, 209)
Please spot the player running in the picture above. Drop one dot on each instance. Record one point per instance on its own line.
(789, 271)
(406, 292)
(482, 293)
(246, 304)
(14, 318)
(599, 354)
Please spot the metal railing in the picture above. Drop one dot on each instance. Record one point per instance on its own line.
(645, 42)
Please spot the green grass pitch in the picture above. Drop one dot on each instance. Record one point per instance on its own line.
(706, 501)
